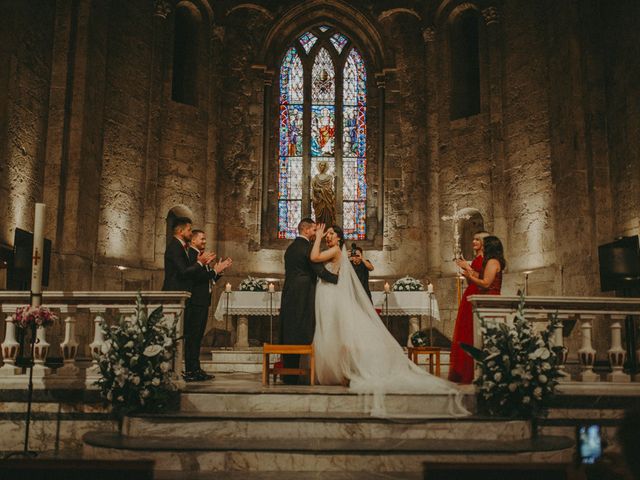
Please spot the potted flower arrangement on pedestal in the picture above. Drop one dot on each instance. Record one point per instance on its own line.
(136, 361)
(518, 367)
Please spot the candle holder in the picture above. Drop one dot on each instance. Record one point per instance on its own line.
(386, 308)
(429, 312)
(526, 282)
(226, 318)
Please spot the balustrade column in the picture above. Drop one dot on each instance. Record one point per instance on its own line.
(557, 344)
(10, 348)
(69, 349)
(95, 347)
(617, 355)
(242, 329)
(587, 353)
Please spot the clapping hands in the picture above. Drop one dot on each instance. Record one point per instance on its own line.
(222, 265)
(205, 258)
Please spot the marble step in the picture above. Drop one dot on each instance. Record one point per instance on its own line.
(175, 475)
(320, 455)
(314, 402)
(320, 425)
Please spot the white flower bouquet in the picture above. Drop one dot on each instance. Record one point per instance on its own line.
(519, 367)
(407, 284)
(251, 284)
(136, 361)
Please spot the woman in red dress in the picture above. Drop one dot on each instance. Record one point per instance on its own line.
(488, 283)
(461, 364)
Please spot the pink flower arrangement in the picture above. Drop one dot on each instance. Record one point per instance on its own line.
(29, 316)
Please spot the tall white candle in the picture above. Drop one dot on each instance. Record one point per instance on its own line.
(272, 288)
(430, 287)
(387, 288)
(38, 254)
(227, 287)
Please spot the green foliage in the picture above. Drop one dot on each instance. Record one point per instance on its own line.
(136, 361)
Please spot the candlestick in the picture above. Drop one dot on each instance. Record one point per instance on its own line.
(387, 288)
(227, 287)
(272, 288)
(37, 260)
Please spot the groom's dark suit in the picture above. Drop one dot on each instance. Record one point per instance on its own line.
(297, 307)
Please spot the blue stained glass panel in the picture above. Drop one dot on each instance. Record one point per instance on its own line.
(322, 130)
(289, 196)
(308, 40)
(339, 41)
(291, 80)
(355, 80)
(354, 131)
(291, 130)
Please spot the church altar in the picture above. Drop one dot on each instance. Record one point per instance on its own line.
(420, 307)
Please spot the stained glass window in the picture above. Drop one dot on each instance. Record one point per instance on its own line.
(290, 145)
(339, 41)
(354, 146)
(308, 40)
(342, 147)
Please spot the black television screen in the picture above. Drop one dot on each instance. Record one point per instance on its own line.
(19, 268)
(619, 264)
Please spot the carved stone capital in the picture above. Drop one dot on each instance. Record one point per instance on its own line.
(163, 8)
(429, 34)
(490, 15)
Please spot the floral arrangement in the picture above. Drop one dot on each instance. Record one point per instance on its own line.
(135, 361)
(29, 316)
(420, 338)
(407, 284)
(519, 368)
(251, 284)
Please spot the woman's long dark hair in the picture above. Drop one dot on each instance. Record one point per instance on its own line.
(340, 233)
(493, 249)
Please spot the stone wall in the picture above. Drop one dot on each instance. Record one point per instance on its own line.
(550, 162)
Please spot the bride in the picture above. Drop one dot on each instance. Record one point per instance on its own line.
(352, 345)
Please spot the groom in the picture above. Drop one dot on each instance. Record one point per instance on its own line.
(297, 307)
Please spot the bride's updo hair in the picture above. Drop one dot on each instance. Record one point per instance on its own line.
(340, 233)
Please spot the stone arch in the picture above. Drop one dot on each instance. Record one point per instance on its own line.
(395, 11)
(251, 6)
(336, 13)
(468, 228)
(174, 212)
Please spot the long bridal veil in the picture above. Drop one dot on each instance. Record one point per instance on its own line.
(352, 342)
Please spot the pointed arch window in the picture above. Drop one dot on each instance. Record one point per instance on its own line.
(322, 118)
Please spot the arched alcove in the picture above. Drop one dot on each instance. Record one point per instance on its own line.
(187, 21)
(468, 228)
(464, 26)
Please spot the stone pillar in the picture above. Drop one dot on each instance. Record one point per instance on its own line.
(242, 338)
(494, 79)
(432, 240)
(616, 353)
(152, 147)
(587, 354)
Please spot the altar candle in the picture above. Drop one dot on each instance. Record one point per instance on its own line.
(272, 288)
(227, 287)
(387, 288)
(38, 251)
(430, 287)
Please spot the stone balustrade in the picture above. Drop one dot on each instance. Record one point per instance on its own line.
(583, 310)
(92, 308)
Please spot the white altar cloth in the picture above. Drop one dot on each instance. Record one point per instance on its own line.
(415, 305)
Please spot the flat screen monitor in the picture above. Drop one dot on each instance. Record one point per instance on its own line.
(619, 264)
(19, 266)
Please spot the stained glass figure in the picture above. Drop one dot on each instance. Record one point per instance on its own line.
(322, 130)
(323, 87)
(291, 80)
(308, 40)
(339, 41)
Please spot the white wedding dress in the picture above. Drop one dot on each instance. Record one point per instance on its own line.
(351, 343)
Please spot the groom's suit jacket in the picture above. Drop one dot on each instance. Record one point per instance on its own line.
(179, 272)
(297, 306)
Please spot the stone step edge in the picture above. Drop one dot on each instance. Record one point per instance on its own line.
(285, 391)
(347, 417)
(542, 443)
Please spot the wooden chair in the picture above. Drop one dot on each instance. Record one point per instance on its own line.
(270, 349)
(432, 352)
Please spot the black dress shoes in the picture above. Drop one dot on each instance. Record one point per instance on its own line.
(204, 375)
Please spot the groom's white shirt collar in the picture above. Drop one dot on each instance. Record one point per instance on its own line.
(302, 236)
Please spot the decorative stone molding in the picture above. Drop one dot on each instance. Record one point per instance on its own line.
(490, 15)
(429, 34)
(163, 8)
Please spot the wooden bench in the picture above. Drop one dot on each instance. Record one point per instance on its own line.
(432, 352)
(270, 349)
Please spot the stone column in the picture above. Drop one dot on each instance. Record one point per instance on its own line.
(381, 83)
(242, 338)
(432, 240)
(587, 354)
(494, 79)
(152, 148)
(616, 353)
